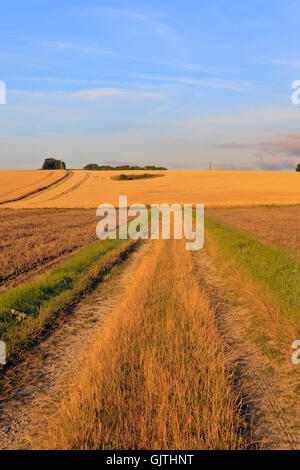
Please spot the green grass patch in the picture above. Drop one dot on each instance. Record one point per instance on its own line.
(27, 310)
(268, 265)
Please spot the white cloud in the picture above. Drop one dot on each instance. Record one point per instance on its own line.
(158, 28)
(91, 50)
(200, 68)
(90, 94)
(98, 93)
(135, 135)
(71, 81)
(295, 64)
(254, 119)
(147, 23)
(209, 82)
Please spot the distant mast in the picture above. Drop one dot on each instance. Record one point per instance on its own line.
(210, 166)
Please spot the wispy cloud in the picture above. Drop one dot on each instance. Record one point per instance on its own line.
(71, 81)
(92, 50)
(278, 163)
(295, 64)
(158, 28)
(19, 58)
(89, 94)
(98, 93)
(261, 163)
(208, 82)
(200, 68)
(148, 23)
(235, 167)
(288, 144)
(282, 153)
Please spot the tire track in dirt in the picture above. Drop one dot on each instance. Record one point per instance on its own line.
(73, 188)
(36, 191)
(274, 425)
(49, 365)
(51, 173)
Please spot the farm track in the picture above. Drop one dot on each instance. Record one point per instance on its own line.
(272, 414)
(73, 188)
(49, 365)
(36, 191)
(272, 417)
(51, 173)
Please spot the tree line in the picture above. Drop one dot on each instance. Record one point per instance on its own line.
(96, 167)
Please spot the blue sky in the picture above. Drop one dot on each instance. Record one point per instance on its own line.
(164, 82)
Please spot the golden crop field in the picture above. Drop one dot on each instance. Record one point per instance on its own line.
(213, 188)
(145, 344)
(18, 183)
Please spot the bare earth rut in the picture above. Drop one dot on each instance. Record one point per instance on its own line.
(50, 364)
(266, 386)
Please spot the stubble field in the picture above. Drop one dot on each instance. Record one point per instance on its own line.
(31, 240)
(276, 225)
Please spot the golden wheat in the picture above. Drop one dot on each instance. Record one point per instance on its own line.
(157, 378)
(212, 188)
(16, 184)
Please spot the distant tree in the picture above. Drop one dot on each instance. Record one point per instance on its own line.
(53, 164)
(140, 176)
(298, 167)
(91, 167)
(96, 167)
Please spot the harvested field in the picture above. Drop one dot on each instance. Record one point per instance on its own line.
(30, 240)
(212, 188)
(17, 184)
(276, 225)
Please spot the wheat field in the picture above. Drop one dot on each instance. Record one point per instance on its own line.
(18, 183)
(213, 188)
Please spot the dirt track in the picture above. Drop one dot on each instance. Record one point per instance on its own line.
(272, 410)
(73, 188)
(269, 406)
(49, 365)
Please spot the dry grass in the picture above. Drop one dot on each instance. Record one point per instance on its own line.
(263, 282)
(212, 188)
(17, 183)
(277, 225)
(157, 378)
(30, 240)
